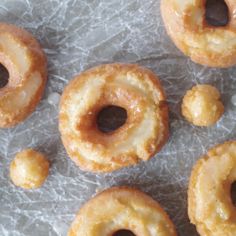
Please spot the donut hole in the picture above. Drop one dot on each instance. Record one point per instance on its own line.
(217, 13)
(123, 232)
(110, 118)
(233, 193)
(4, 76)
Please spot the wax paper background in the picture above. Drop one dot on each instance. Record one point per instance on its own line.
(76, 35)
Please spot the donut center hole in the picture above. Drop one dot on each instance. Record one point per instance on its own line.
(4, 76)
(123, 232)
(217, 13)
(111, 118)
(233, 193)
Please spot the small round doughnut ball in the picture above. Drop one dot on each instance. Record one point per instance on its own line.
(202, 106)
(29, 169)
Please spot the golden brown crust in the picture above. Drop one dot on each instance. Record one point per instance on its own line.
(210, 206)
(29, 169)
(202, 106)
(134, 88)
(207, 45)
(122, 208)
(26, 63)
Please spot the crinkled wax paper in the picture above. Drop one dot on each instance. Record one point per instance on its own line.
(79, 34)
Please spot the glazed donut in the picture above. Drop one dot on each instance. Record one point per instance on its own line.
(29, 169)
(131, 87)
(210, 206)
(202, 106)
(25, 61)
(122, 208)
(204, 44)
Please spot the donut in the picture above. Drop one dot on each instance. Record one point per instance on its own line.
(204, 43)
(210, 206)
(29, 169)
(133, 88)
(26, 63)
(202, 106)
(120, 209)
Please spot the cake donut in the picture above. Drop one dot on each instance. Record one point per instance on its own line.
(210, 206)
(131, 87)
(122, 208)
(25, 61)
(205, 44)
